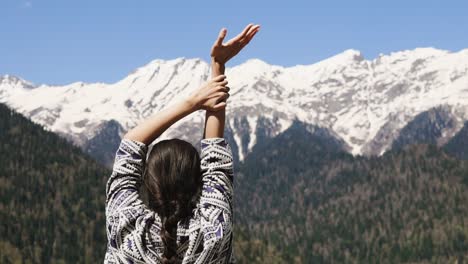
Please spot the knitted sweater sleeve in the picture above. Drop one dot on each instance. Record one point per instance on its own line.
(216, 200)
(126, 214)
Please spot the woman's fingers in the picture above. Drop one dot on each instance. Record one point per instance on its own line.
(213, 92)
(224, 96)
(221, 94)
(252, 33)
(252, 30)
(219, 89)
(246, 30)
(241, 35)
(221, 36)
(222, 83)
(217, 100)
(224, 89)
(218, 82)
(218, 97)
(219, 106)
(219, 78)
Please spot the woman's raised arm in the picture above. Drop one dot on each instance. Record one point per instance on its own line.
(220, 55)
(208, 97)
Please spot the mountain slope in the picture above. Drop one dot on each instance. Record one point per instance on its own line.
(457, 146)
(51, 197)
(319, 205)
(365, 103)
(431, 127)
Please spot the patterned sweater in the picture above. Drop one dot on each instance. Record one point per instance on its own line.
(133, 229)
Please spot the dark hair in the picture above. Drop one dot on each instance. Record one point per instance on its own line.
(173, 181)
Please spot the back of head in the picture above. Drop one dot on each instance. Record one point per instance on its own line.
(173, 180)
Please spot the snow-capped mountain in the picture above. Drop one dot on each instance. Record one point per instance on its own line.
(363, 103)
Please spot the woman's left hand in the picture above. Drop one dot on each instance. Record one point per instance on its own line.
(212, 95)
(222, 53)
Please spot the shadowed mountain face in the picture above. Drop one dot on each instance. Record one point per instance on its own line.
(265, 179)
(103, 145)
(458, 145)
(427, 127)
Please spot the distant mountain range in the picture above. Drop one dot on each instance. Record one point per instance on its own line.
(365, 106)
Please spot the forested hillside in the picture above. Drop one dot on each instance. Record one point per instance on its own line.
(299, 199)
(319, 205)
(51, 197)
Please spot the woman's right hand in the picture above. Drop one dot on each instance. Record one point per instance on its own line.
(223, 52)
(212, 95)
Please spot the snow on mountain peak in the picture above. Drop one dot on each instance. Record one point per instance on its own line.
(155, 65)
(422, 52)
(255, 63)
(363, 102)
(12, 80)
(346, 57)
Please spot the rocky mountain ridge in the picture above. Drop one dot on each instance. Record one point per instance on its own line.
(365, 104)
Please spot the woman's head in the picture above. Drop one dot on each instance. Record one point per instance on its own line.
(173, 180)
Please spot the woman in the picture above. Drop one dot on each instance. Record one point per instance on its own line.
(189, 218)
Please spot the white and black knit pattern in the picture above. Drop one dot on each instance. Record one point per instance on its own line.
(133, 229)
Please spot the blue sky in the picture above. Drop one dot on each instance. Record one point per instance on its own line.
(63, 41)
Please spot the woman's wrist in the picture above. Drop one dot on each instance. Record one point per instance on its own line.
(217, 67)
(215, 62)
(192, 103)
